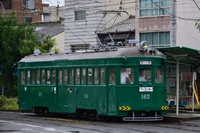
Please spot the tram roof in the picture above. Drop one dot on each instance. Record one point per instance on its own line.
(186, 55)
(127, 51)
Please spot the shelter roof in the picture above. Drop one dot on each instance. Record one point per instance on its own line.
(186, 55)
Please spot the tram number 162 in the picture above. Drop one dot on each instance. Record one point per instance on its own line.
(145, 96)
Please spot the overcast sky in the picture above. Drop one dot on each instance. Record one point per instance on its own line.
(54, 2)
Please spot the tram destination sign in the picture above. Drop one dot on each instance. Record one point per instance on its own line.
(145, 89)
(145, 62)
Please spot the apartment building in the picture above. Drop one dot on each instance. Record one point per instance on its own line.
(166, 23)
(26, 10)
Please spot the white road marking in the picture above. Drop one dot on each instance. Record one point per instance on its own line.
(35, 126)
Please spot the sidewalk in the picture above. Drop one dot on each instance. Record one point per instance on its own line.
(182, 116)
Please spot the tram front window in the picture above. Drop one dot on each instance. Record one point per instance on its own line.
(144, 74)
(126, 76)
(159, 75)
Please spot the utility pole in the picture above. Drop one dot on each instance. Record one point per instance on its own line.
(173, 23)
(57, 13)
(24, 11)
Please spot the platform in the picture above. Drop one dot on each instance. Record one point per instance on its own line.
(182, 116)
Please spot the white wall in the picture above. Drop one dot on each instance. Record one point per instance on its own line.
(59, 41)
(187, 34)
(83, 31)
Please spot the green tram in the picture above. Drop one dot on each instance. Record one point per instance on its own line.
(127, 83)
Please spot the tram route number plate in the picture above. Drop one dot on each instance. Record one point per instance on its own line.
(145, 89)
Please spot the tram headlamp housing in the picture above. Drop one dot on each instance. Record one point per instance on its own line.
(144, 46)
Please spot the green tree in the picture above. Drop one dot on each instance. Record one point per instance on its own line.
(46, 44)
(16, 41)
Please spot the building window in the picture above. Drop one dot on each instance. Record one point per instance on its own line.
(154, 7)
(156, 39)
(80, 15)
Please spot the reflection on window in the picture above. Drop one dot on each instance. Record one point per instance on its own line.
(48, 77)
(32, 76)
(60, 77)
(96, 75)
(71, 76)
(102, 75)
(127, 75)
(53, 77)
(83, 75)
(37, 76)
(77, 76)
(22, 77)
(65, 76)
(144, 74)
(43, 77)
(112, 76)
(28, 77)
(159, 75)
(156, 39)
(89, 75)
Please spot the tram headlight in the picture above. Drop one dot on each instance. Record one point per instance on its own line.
(144, 45)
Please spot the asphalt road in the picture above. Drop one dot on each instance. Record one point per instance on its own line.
(17, 122)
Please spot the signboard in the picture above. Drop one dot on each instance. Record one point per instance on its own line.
(186, 76)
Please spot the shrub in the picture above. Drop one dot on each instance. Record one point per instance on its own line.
(8, 103)
(2, 101)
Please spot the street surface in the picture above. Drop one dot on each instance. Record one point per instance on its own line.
(17, 122)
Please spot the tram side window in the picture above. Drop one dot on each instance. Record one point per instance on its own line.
(22, 77)
(89, 75)
(159, 76)
(96, 75)
(60, 77)
(71, 76)
(43, 77)
(53, 76)
(112, 76)
(48, 77)
(83, 78)
(144, 74)
(127, 75)
(37, 76)
(77, 75)
(102, 70)
(32, 76)
(28, 77)
(65, 76)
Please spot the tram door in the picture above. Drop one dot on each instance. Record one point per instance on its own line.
(63, 92)
(112, 92)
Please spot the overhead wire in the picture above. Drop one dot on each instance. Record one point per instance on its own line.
(123, 3)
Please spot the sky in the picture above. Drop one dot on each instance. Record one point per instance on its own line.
(54, 2)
